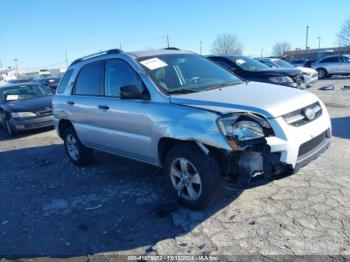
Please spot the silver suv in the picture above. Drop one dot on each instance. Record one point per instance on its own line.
(180, 111)
(332, 65)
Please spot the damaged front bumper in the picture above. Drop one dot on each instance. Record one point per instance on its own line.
(260, 158)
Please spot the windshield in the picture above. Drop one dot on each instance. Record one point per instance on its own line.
(249, 64)
(283, 64)
(186, 73)
(21, 92)
(268, 63)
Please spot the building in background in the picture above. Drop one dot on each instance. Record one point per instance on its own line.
(42, 73)
(312, 54)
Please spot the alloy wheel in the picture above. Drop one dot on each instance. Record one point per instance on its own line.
(185, 179)
(72, 147)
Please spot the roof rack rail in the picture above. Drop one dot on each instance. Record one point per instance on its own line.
(107, 52)
(171, 48)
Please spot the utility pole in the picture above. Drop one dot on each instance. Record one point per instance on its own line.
(307, 38)
(201, 47)
(16, 63)
(261, 52)
(167, 41)
(66, 57)
(319, 42)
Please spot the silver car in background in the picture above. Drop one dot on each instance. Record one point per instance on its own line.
(332, 65)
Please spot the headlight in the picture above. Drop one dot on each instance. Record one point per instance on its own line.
(281, 79)
(242, 130)
(22, 114)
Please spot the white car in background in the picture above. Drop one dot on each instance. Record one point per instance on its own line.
(2, 80)
(310, 75)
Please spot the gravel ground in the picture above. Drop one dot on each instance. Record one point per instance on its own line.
(51, 208)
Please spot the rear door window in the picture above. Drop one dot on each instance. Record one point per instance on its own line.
(333, 59)
(64, 82)
(345, 59)
(89, 80)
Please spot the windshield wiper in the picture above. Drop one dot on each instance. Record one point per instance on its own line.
(222, 85)
(181, 91)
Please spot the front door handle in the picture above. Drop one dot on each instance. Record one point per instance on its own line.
(103, 107)
(70, 103)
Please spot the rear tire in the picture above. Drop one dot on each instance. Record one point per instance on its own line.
(322, 73)
(78, 153)
(193, 176)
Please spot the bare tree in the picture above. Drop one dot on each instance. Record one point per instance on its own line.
(226, 44)
(343, 36)
(280, 47)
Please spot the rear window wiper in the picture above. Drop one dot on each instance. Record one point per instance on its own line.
(181, 91)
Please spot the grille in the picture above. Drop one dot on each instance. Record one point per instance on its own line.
(311, 144)
(44, 112)
(298, 117)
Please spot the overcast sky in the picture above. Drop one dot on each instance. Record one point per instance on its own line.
(38, 32)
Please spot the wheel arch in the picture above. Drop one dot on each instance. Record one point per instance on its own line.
(165, 144)
(62, 125)
(323, 68)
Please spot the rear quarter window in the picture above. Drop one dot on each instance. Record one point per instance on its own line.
(64, 81)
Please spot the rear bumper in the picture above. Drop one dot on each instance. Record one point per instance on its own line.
(31, 124)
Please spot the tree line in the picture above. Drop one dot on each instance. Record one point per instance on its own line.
(229, 44)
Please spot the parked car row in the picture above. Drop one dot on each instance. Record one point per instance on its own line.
(309, 75)
(328, 66)
(193, 117)
(252, 70)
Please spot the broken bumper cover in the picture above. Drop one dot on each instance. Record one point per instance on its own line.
(307, 152)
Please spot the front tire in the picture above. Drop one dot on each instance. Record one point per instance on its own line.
(78, 153)
(10, 130)
(193, 176)
(322, 73)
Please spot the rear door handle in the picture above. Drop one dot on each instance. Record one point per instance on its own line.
(70, 103)
(103, 107)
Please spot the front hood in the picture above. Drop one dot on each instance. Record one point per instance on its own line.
(271, 72)
(265, 99)
(31, 105)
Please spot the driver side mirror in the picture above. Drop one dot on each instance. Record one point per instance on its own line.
(133, 92)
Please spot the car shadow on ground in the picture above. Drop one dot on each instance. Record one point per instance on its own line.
(341, 127)
(4, 136)
(51, 208)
